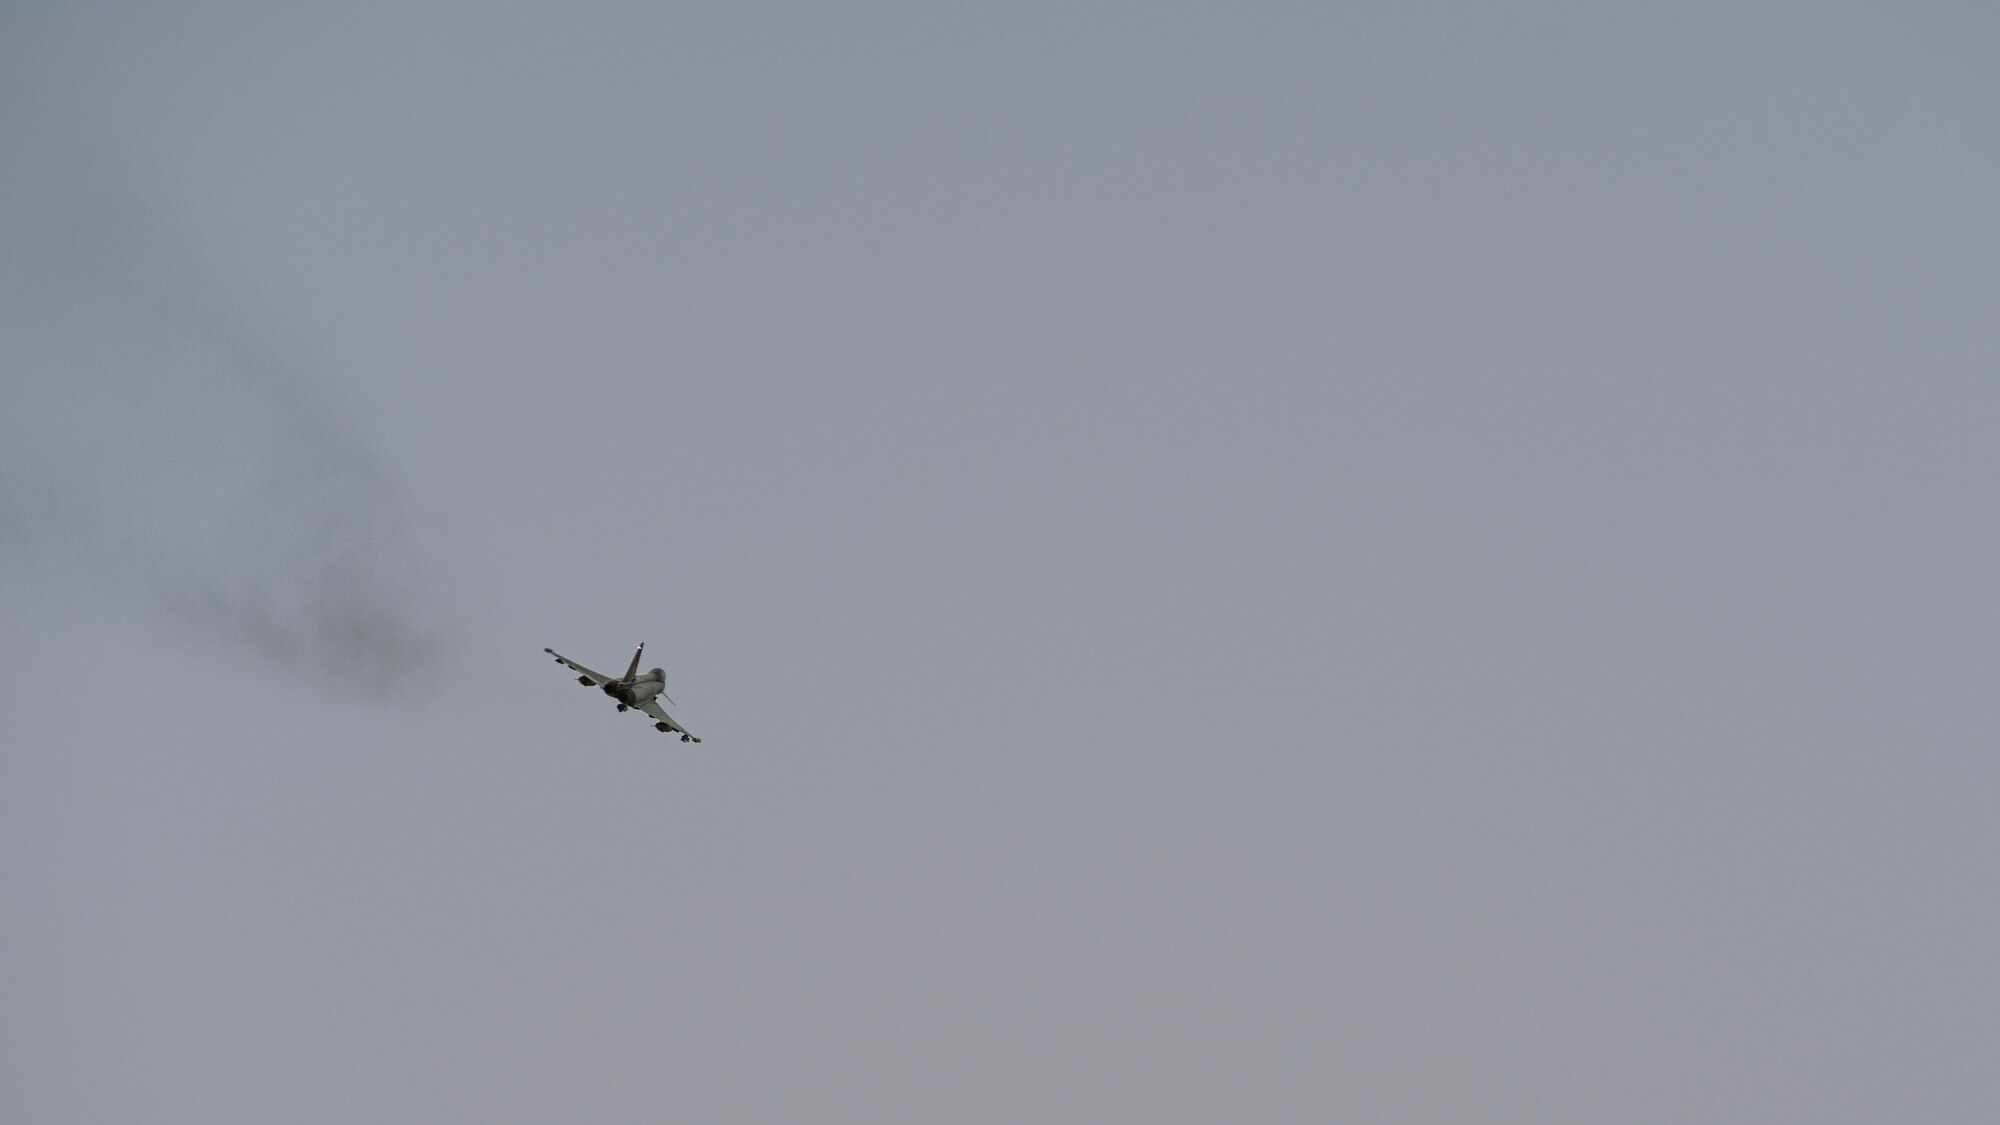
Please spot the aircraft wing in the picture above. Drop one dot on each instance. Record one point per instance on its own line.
(652, 707)
(597, 678)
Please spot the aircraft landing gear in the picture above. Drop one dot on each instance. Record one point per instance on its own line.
(621, 708)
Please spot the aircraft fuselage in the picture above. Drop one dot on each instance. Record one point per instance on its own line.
(634, 694)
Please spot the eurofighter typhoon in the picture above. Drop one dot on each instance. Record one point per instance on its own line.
(632, 690)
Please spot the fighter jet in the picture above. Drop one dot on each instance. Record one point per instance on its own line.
(631, 690)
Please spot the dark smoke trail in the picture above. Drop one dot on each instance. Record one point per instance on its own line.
(157, 447)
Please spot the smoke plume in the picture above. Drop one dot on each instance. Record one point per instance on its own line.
(159, 446)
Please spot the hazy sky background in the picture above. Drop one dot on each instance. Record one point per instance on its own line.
(1276, 562)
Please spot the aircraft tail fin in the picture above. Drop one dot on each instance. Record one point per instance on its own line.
(634, 669)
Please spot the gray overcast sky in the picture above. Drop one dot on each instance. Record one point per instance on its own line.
(1275, 562)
